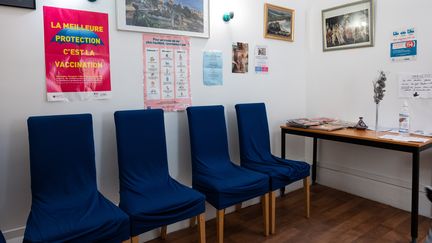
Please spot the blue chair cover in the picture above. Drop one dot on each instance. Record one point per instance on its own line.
(147, 192)
(223, 182)
(66, 205)
(255, 150)
(2, 239)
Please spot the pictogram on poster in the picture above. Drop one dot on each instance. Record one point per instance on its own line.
(77, 57)
(166, 72)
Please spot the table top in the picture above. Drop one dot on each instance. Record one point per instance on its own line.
(366, 135)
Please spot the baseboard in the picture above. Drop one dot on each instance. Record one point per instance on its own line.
(14, 233)
(391, 191)
(369, 175)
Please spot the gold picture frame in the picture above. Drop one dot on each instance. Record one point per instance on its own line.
(278, 22)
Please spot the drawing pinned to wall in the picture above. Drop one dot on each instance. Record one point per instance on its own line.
(415, 85)
(278, 22)
(240, 57)
(404, 45)
(261, 60)
(77, 60)
(166, 72)
(212, 68)
(348, 26)
(173, 17)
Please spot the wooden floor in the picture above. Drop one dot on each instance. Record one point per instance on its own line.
(335, 217)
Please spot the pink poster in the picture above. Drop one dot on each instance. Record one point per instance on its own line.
(76, 55)
(166, 72)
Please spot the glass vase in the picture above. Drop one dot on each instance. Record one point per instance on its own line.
(376, 117)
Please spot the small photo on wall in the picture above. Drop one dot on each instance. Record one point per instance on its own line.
(240, 57)
(278, 22)
(348, 26)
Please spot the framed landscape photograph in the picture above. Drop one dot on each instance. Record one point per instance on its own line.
(173, 17)
(278, 22)
(348, 26)
(19, 3)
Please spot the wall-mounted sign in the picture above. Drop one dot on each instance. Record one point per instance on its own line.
(212, 68)
(261, 60)
(77, 57)
(404, 45)
(167, 72)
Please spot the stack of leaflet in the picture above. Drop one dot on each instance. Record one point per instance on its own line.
(307, 122)
(321, 123)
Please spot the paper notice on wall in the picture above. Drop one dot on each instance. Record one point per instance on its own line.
(77, 60)
(261, 60)
(403, 46)
(166, 72)
(212, 68)
(415, 86)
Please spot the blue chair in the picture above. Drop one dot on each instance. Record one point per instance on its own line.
(223, 182)
(147, 192)
(256, 155)
(2, 239)
(66, 205)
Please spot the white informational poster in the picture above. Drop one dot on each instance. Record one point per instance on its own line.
(212, 68)
(166, 72)
(415, 85)
(403, 46)
(261, 60)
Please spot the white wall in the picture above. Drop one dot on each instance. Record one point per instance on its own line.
(22, 92)
(339, 84)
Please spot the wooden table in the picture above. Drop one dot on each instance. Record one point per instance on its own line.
(367, 138)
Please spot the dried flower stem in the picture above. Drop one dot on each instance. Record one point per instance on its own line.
(379, 86)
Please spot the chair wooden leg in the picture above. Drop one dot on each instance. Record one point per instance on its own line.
(163, 232)
(201, 228)
(265, 202)
(220, 225)
(306, 187)
(135, 239)
(238, 206)
(272, 212)
(192, 222)
(127, 241)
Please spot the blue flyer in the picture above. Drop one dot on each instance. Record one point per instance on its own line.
(212, 68)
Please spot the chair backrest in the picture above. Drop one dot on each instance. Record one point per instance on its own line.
(253, 132)
(208, 137)
(2, 239)
(141, 148)
(62, 160)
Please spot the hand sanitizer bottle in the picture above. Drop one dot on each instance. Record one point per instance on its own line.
(404, 119)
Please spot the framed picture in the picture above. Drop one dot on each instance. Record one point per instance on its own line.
(173, 17)
(19, 3)
(348, 26)
(278, 22)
